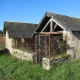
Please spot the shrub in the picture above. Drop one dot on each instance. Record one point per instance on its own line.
(64, 56)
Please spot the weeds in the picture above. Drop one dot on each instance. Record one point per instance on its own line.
(14, 69)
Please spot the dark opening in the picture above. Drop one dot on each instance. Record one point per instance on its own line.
(58, 29)
(47, 29)
(44, 21)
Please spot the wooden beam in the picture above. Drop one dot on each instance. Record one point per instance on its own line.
(55, 26)
(58, 23)
(46, 25)
(51, 26)
(48, 33)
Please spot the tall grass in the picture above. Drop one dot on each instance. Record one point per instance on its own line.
(14, 69)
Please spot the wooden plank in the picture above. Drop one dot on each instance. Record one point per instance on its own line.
(58, 23)
(47, 33)
(55, 26)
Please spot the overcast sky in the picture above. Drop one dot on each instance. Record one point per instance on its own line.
(32, 11)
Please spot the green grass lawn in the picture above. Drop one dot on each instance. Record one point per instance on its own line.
(14, 69)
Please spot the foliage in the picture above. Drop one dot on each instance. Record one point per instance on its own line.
(64, 56)
(58, 45)
(14, 69)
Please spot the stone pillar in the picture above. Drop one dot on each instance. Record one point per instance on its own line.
(46, 63)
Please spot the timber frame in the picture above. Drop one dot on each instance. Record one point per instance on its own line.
(53, 24)
(43, 37)
(43, 44)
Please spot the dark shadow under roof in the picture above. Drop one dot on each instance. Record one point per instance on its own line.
(19, 30)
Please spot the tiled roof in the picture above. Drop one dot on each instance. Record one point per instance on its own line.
(70, 23)
(18, 30)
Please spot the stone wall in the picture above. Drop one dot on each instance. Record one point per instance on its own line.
(48, 63)
(23, 55)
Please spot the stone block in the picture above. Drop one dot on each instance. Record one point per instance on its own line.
(22, 55)
(46, 63)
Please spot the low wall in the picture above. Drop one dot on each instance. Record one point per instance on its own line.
(50, 63)
(47, 63)
(23, 55)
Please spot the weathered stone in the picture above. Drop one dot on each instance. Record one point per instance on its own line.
(56, 61)
(49, 63)
(46, 63)
(23, 55)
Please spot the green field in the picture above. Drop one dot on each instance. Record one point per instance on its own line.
(14, 69)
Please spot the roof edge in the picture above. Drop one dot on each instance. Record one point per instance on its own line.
(18, 22)
(40, 22)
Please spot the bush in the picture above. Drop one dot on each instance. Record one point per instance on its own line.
(64, 56)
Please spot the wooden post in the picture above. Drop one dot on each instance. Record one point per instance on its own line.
(51, 25)
(49, 46)
(45, 46)
(35, 43)
(35, 49)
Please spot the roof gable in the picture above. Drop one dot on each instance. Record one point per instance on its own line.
(69, 23)
(18, 30)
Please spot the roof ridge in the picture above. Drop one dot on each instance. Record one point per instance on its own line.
(18, 22)
(47, 13)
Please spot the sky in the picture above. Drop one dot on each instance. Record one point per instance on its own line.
(32, 11)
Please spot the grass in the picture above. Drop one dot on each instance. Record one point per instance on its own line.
(14, 69)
